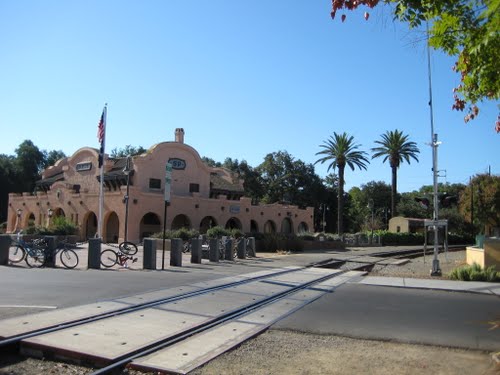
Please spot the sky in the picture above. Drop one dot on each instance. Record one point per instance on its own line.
(244, 79)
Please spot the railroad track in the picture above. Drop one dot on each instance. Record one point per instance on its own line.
(125, 336)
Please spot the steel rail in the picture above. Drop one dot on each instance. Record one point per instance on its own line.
(160, 344)
(129, 309)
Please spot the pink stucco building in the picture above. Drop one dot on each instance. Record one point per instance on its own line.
(201, 196)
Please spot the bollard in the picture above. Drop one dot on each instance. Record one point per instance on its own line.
(176, 252)
(4, 249)
(196, 250)
(94, 261)
(149, 252)
(213, 254)
(242, 249)
(251, 245)
(50, 252)
(228, 250)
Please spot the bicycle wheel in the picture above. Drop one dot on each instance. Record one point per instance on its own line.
(35, 258)
(69, 258)
(16, 253)
(109, 258)
(128, 248)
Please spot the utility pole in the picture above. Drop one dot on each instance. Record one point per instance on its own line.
(436, 269)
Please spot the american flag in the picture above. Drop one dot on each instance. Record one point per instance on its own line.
(101, 133)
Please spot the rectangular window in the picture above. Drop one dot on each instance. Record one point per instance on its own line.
(154, 183)
(194, 188)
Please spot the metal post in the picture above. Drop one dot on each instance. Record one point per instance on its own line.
(324, 220)
(436, 270)
(127, 171)
(164, 232)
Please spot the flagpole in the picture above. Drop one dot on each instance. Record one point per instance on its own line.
(101, 185)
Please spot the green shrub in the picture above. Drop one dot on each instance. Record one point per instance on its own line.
(236, 233)
(182, 233)
(273, 242)
(491, 274)
(218, 231)
(185, 234)
(62, 226)
(475, 273)
(306, 236)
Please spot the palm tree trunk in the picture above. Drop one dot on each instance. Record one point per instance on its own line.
(394, 190)
(340, 202)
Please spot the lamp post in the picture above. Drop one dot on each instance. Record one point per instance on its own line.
(127, 171)
(323, 223)
(18, 212)
(371, 206)
(50, 212)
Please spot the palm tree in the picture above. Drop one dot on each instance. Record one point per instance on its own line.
(340, 150)
(396, 148)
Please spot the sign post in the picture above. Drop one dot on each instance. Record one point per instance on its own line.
(168, 182)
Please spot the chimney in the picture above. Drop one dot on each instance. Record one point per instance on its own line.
(179, 135)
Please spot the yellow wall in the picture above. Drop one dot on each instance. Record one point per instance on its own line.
(487, 257)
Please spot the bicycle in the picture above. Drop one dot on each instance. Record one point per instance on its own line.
(67, 256)
(33, 254)
(38, 254)
(126, 252)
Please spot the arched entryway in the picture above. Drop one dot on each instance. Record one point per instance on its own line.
(181, 221)
(150, 224)
(303, 227)
(59, 212)
(89, 225)
(287, 226)
(112, 228)
(254, 227)
(206, 223)
(31, 220)
(233, 223)
(269, 227)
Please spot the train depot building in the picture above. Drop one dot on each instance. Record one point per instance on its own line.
(200, 196)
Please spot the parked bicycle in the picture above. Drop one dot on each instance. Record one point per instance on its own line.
(126, 251)
(33, 254)
(67, 254)
(37, 254)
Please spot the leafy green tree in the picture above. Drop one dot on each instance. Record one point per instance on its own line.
(409, 207)
(28, 164)
(466, 29)
(211, 162)
(376, 193)
(287, 180)
(51, 157)
(341, 151)
(480, 202)
(126, 151)
(396, 148)
(252, 182)
(8, 183)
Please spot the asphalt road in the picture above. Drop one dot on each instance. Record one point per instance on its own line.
(355, 310)
(455, 319)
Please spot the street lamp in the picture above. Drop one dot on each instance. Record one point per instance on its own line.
(50, 212)
(127, 172)
(324, 218)
(371, 206)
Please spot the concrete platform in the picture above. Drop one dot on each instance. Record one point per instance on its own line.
(450, 285)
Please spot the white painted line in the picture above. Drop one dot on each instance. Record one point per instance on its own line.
(27, 307)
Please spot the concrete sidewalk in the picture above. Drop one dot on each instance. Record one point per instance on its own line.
(450, 285)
